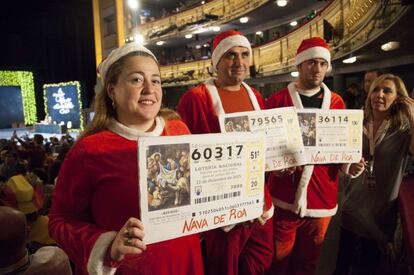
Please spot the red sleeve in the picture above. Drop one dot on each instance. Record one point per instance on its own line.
(176, 128)
(70, 222)
(267, 198)
(337, 102)
(273, 101)
(259, 98)
(196, 110)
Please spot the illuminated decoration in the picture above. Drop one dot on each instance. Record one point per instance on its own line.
(200, 30)
(139, 38)
(311, 15)
(244, 20)
(281, 3)
(390, 46)
(350, 60)
(63, 103)
(24, 80)
(133, 4)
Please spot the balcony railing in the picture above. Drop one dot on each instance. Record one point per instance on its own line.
(353, 24)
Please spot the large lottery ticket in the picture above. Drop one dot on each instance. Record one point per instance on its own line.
(331, 136)
(284, 146)
(189, 184)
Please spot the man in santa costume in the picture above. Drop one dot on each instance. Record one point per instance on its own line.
(304, 197)
(245, 248)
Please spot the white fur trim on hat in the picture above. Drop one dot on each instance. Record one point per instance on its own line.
(228, 43)
(314, 52)
(116, 54)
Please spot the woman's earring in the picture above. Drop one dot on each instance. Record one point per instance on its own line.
(113, 104)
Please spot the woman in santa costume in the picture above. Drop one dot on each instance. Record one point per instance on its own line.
(304, 197)
(95, 212)
(245, 248)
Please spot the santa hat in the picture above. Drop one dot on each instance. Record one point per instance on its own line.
(116, 54)
(314, 47)
(225, 41)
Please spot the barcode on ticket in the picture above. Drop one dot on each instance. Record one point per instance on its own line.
(217, 197)
(333, 144)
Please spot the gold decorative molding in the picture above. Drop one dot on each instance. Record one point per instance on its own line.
(97, 31)
(355, 23)
(119, 10)
(180, 23)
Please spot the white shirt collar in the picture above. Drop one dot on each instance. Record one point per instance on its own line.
(134, 134)
(308, 93)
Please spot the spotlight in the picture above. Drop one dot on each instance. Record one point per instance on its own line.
(133, 4)
(350, 60)
(390, 46)
(139, 39)
(281, 3)
(244, 20)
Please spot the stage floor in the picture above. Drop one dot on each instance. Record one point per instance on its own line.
(8, 132)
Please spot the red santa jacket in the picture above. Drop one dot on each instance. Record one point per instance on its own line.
(97, 191)
(311, 192)
(200, 107)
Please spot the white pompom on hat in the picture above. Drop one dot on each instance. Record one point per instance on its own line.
(116, 54)
(225, 41)
(314, 47)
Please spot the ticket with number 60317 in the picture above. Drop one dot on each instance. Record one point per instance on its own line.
(284, 146)
(193, 183)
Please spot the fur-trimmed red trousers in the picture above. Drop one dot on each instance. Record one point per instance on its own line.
(298, 242)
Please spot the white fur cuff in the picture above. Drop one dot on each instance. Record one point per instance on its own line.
(98, 253)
